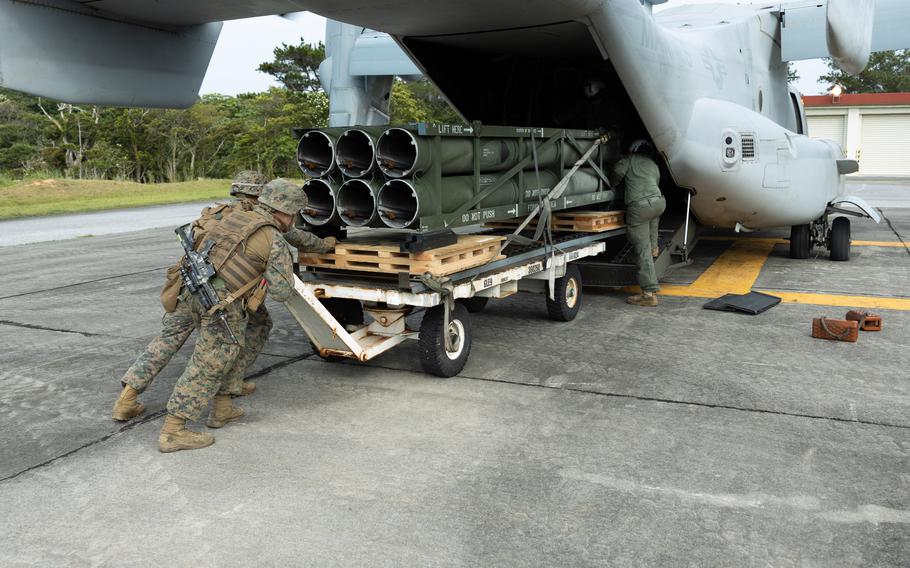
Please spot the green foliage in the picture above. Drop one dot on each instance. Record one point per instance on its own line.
(792, 75)
(420, 101)
(297, 66)
(214, 138)
(887, 72)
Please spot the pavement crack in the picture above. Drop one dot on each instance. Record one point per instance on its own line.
(43, 328)
(279, 365)
(670, 401)
(893, 230)
(145, 419)
(82, 283)
(106, 437)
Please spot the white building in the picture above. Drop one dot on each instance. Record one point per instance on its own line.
(873, 129)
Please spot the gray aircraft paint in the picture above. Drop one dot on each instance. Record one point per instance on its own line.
(698, 75)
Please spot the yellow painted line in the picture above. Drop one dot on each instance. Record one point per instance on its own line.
(843, 301)
(891, 244)
(888, 244)
(735, 271)
(738, 268)
(774, 240)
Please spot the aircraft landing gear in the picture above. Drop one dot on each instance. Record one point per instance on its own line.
(839, 241)
(800, 241)
(820, 233)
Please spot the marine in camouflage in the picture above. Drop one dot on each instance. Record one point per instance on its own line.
(283, 195)
(248, 182)
(213, 367)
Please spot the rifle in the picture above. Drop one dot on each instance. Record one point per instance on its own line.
(197, 273)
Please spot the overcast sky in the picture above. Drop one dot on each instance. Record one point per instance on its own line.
(244, 44)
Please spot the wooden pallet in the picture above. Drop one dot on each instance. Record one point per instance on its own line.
(573, 221)
(382, 255)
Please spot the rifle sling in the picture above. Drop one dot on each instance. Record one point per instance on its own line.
(234, 296)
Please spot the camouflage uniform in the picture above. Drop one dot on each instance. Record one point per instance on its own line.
(177, 326)
(304, 241)
(215, 366)
(259, 324)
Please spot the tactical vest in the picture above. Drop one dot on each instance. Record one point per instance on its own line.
(215, 213)
(232, 262)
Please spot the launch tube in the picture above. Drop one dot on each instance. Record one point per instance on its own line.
(355, 153)
(357, 200)
(401, 153)
(321, 202)
(316, 153)
(402, 203)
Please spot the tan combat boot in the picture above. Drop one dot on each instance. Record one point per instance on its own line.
(249, 387)
(127, 406)
(174, 436)
(223, 412)
(643, 299)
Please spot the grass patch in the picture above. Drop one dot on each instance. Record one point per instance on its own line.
(56, 196)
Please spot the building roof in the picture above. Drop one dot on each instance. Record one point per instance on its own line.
(866, 99)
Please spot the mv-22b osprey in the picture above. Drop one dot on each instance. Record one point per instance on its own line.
(707, 84)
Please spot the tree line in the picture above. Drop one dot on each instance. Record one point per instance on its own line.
(214, 138)
(221, 134)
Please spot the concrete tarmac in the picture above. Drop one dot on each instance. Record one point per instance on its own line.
(629, 437)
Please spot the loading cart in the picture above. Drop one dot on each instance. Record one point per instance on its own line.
(327, 303)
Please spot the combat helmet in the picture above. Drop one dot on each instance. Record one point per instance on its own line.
(248, 182)
(283, 195)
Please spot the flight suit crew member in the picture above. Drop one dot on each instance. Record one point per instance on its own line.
(177, 324)
(248, 249)
(259, 325)
(644, 206)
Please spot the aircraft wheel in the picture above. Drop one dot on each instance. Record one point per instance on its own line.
(476, 304)
(840, 239)
(800, 242)
(567, 294)
(434, 357)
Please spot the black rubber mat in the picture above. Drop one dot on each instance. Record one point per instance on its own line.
(752, 303)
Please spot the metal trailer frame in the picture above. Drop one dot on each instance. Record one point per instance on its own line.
(389, 302)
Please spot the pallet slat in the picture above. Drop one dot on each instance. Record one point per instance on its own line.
(575, 221)
(371, 255)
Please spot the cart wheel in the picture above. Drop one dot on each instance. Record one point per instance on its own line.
(567, 291)
(476, 304)
(434, 357)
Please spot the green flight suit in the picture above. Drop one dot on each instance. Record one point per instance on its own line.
(644, 206)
